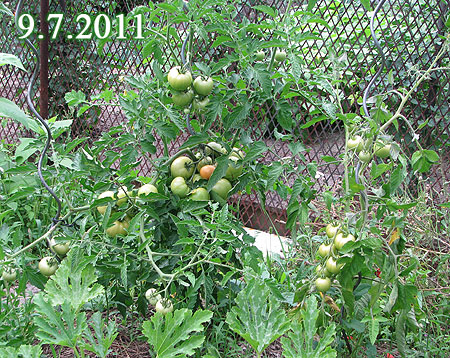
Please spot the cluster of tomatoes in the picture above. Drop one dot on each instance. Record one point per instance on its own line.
(329, 254)
(279, 56)
(186, 91)
(189, 176)
(357, 144)
(123, 196)
(47, 265)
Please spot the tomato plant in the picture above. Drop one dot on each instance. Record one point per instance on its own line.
(323, 284)
(199, 194)
(222, 188)
(9, 274)
(234, 169)
(60, 248)
(106, 194)
(164, 306)
(182, 99)
(340, 240)
(152, 296)
(182, 167)
(200, 104)
(48, 266)
(331, 230)
(178, 79)
(147, 189)
(203, 86)
(382, 151)
(280, 56)
(206, 171)
(260, 55)
(179, 187)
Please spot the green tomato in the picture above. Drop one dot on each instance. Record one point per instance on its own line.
(324, 250)
(323, 284)
(260, 55)
(199, 194)
(332, 266)
(200, 106)
(118, 228)
(152, 296)
(147, 189)
(234, 170)
(60, 248)
(236, 152)
(106, 194)
(222, 188)
(355, 143)
(322, 271)
(182, 167)
(164, 306)
(182, 99)
(280, 56)
(178, 80)
(9, 274)
(48, 265)
(179, 187)
(364, 156)
(203, 87)
(331, 230)
(215, 149)
(122, 195)
(382, 151)
(340, 240)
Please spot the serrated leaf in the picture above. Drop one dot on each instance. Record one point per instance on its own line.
(73, 282)
(171, 335)
(300, 341)
(257, 316)
(74, 98)
(256, 149)
(275, 171)
(62, 327)
(103, 338)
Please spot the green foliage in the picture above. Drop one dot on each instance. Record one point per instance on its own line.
(74, 282)
(301, 339)
(24, 351)
(172, 335)
(257, 316)
(59, 319)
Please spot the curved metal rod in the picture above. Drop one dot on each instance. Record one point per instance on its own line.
(43, 122)
(183, 60)
(380, 52)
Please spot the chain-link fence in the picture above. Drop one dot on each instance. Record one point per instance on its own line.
(410, 35)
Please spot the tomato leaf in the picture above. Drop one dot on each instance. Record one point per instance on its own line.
(266, 9)
(256, 149)
(171, 335)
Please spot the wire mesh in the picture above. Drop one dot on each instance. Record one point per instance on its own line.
(409, 33)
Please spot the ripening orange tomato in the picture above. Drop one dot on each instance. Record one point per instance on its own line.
(206, 171)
